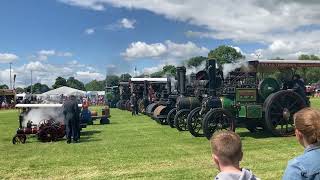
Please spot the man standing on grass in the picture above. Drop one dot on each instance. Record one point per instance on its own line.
(134, 104)
(71, 113)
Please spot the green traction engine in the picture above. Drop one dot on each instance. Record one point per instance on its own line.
(242, 100)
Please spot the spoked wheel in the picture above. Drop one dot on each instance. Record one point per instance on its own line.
(19, 139)
(170, 117)
(194, 122)
(279, 110)
(47, 134)
(180, 119)
(217, 120)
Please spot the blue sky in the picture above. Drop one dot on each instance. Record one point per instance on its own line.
(89, 38)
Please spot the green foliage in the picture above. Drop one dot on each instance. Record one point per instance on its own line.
(169, 70)
(157, 74)
(304, 57)
(196, 61)
(60, 81)
(95, 85)
(76, 84)
(112, 80)
(277, 58)
(314, 57)
(225, 54)
(37, 88)
(4, 86)
(166, 70)
(310, 75)
(19, 90)
(125, 77)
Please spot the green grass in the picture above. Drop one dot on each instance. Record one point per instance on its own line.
(134, 148)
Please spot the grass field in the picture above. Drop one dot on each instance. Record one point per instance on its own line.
(134, 148)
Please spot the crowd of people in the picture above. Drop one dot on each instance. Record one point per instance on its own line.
(6, 102)
(227, 151)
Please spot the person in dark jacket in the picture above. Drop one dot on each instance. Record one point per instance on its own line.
(300, 87)
(71, 113)
(134, 104)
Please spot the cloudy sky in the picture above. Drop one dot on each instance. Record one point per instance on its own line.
(88, 39)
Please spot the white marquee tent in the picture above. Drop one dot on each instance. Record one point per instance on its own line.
(66, 91)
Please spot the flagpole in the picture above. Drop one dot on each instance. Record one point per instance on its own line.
(10, 76)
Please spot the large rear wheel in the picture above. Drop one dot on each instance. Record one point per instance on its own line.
(216, 120)
(194, 122)
(279, 110)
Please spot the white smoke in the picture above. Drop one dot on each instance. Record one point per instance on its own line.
(195, 70)
(227, 68)
(40, 114)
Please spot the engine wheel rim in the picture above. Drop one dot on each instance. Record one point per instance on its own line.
(219, 120)
(281, 111)
(182, 121)
(170, 118)
(196, 123)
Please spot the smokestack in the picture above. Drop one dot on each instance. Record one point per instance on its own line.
(212, 76)
(181, 73)
(145, 90)
(169, 85)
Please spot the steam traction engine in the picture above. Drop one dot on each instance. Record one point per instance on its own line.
(47, 130)
(243, 99)
(124, 102)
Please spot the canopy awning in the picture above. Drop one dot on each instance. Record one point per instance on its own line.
(273, 65)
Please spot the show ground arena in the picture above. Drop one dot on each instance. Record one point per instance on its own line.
(137, 148)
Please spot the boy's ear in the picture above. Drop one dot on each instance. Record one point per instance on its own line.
(215, 160)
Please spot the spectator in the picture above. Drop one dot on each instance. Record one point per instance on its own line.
(71, 113)
(134, 104)
(226, 154)
(307, 165)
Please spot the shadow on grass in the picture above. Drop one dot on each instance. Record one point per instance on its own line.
(256, 135)
(86, 136)
(89, 133)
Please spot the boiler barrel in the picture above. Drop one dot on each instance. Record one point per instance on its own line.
(188, 103)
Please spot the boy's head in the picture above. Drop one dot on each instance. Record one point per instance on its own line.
(226, 148)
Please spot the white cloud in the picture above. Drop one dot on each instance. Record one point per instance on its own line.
(47, 52)
(150, 70)
(88, 76)
(7, 57)
(47, 73)
(143, 50)
(89, 31)
(127, 23)
(65, 54)
(123, 23)
(89, 4)
(43, 55)
(278, 24)
(167, 51)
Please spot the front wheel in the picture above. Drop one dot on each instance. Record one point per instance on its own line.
(180, 120)
(194, 122)
(19, 138)
(170, 117)
(217, 120)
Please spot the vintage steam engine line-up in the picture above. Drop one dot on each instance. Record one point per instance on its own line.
(213, 102)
